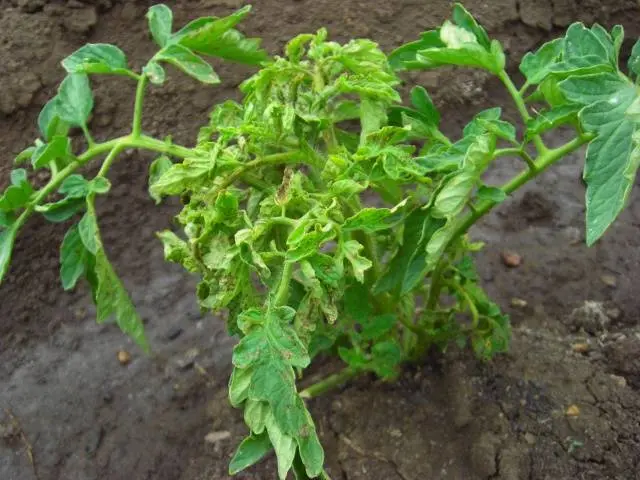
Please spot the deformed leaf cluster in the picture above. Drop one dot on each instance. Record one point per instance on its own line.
(319, 211)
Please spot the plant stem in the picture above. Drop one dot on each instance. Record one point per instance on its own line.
(522, 108)
(87, 136)
(504, 152)
(282, 294)
(294, 156)
(472, 306)
(482, 208)
(329, 382)
(106, 165)
(434, 289)
(542, 163)
(136, 127)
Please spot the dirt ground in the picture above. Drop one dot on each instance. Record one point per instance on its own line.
(66, 402)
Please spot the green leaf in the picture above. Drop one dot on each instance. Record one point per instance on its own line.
(49, 121)
(217, 37)
(7, 239)
(273, 381)
(187, 61)
(112, 299)
(500, 129)
(393, 277)
(284, 445)
(62, 210)
(583, 46)
(59, 147)
(461, 47)
(346, 187)
(160, 20)
(18, 194)
(612, 159)
(374, 328)
(250, 349)
(491, 194)
(464, 19)
(75, 100)
(453, 196)
(588, 89)
(154, 72)
(284, 339)
(536, 66)
(249, 452)
(97, 58)
(549, 119)
(24, 155)
(19, 178)
(373, 116)
(183, 177)
(309, 244)
(424, 105)
(634, 59)
(255, 415)
(311, 452)
(99, 185)
(239, 385)
(158, 168)
(371, 220)
(421, 261)
(88, 231)
(360, 264)
(406, 56)
(73, 258)
(386, 358)
(6, 219)
(295, 48)
(611, 163)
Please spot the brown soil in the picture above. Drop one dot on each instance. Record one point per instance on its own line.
(66, 397)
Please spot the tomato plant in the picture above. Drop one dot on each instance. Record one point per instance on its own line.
(322, 213)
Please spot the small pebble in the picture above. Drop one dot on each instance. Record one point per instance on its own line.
(609, 280)
(620, 381)
(215, 437)
(518, 303)
(580, 347)
(572, 411)
(511, 259)
(530, 438)
(124, 357)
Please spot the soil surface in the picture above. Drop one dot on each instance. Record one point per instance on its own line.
(563, 404)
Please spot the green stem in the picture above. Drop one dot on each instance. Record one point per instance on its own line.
(541, 164)
(483, 207)
(282, 294)
(294, 156)
(522, 108)
(518, 151)
(116, 144)
(137, 109)
(475, 315)
(87, 136)
(106, 165)
(436, 286)
(329, 383)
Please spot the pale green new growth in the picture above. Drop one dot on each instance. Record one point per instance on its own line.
(324, 215)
